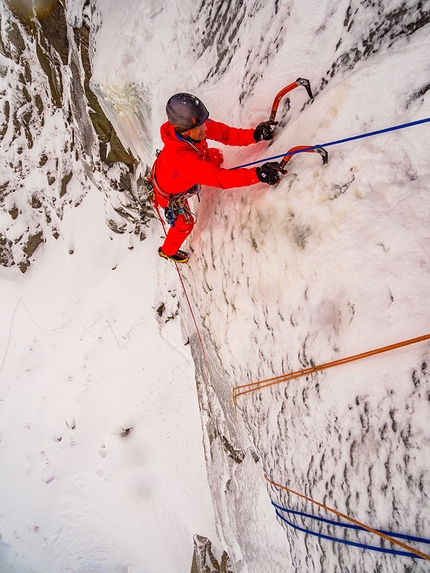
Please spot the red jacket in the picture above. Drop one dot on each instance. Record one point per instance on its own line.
(182, 164)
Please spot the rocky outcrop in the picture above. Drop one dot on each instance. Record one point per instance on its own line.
(55, 140)
(204, 560)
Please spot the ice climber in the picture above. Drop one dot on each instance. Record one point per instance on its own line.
(186, 162)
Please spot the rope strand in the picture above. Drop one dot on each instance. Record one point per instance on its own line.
(345, 541)
(205, 362)
(350, 525)
(252, 386)
(337, 142)
(352, 520)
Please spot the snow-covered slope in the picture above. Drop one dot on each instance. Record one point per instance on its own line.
(331, 262)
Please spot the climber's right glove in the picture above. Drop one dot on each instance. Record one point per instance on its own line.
(269, 173)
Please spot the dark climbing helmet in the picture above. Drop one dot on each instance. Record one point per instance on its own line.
(186, 111)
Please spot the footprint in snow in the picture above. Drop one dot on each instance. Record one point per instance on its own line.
(102, 451)
(71, 422)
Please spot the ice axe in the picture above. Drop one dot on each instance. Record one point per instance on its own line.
(303, 149)
(299, 82)
(299, 149)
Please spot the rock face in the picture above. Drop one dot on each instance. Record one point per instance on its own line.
(204, 560)
(56, 142)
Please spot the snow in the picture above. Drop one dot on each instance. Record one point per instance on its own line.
(332, 262)
(85, 359)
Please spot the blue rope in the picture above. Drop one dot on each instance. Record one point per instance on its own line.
(344, 541)
(352, 526)
(338, 141)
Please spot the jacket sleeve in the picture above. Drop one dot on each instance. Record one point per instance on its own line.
(207, 173)
(223, 133)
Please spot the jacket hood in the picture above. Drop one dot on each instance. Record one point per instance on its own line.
(167, 132)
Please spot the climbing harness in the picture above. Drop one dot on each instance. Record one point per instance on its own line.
(176, 204)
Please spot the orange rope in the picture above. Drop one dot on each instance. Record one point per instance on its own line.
(339, 514)
(252, 386)
(196, 326)
(157, 212)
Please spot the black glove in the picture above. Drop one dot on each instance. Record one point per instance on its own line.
(269, 173)
(263, 131)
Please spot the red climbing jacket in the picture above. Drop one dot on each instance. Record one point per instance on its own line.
(182, 164)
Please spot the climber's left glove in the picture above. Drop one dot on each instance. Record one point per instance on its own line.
(263, 131)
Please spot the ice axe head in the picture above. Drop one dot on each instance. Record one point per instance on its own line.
(323, 154)
(299, 82)
(304, 149)
(306, 84)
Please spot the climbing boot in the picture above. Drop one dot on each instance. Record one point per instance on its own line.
(178, 257)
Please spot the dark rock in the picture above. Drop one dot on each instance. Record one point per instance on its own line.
(64, 181)
(204, 560)
(32, 243)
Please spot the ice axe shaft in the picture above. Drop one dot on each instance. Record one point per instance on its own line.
(303, 149)
(299, 82)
